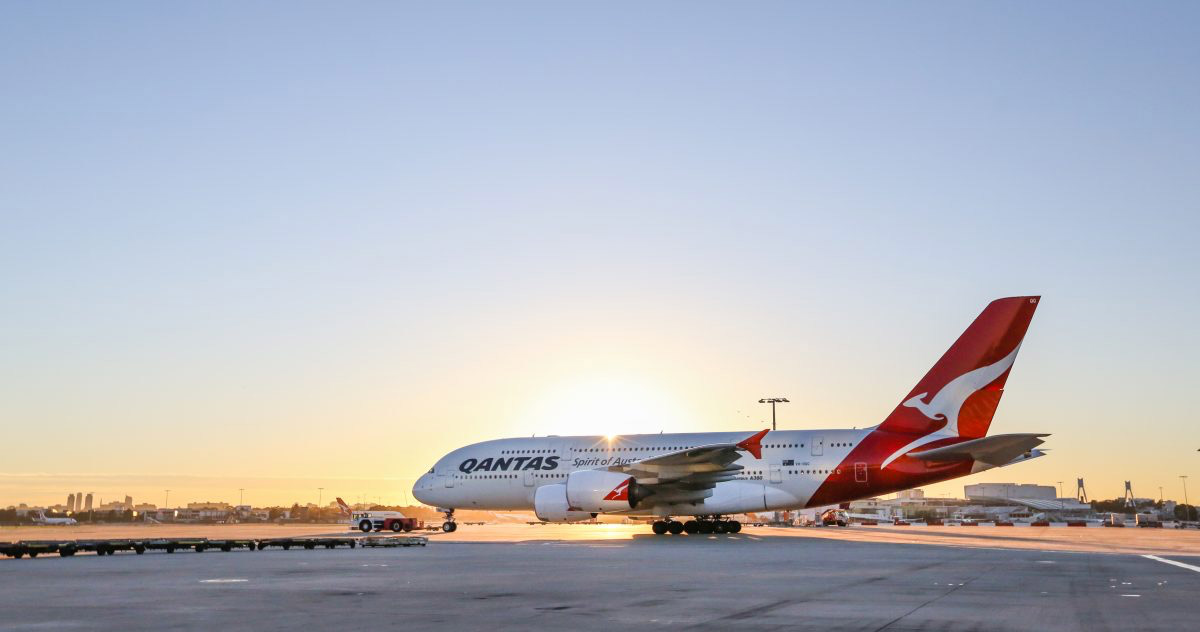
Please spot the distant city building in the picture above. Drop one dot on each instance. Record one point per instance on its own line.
(71, 502)
(87, 502)
(911, 494)
(210, 506)
(1010, 490)
(128, 501)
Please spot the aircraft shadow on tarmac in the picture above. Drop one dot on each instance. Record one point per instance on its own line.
(944, 539)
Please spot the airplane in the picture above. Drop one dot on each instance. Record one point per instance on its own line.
(40, 518)
(937, 432)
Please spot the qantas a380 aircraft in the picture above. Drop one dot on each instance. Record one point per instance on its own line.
(937, 432)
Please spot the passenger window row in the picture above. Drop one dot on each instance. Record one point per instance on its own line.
(638, 449)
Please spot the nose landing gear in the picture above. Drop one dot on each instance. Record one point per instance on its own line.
(449, 526)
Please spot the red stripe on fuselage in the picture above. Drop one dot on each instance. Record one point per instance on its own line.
(903, 473)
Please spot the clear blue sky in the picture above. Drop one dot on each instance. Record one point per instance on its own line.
(380, 230)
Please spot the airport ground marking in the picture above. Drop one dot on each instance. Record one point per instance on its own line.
(1172, 562)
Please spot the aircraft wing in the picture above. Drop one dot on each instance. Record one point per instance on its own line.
(994, 450)
(696, 468)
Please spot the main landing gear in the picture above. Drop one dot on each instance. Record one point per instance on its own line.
(702, 525)
(449, 526)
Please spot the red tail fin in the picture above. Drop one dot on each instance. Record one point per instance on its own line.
(960, 393)
(343, 507)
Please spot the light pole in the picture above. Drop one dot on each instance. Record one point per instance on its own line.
(1060, 496)
(772, 401)
(167, 501)
(320, 492)
(1185, 498)
(241, 495)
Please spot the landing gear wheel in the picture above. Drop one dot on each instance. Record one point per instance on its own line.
(449, 526)
(720, 526)
(659, 527)
(735, 526)
(675, 527)
(706, 526)
(364, 526)
(692, 527)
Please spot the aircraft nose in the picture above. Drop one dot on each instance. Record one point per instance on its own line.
(423, 489)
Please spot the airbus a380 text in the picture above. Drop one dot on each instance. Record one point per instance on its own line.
(937, 432)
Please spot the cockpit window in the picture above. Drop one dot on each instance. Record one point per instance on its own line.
(431, 470)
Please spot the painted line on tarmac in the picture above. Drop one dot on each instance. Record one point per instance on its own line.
(1172, 562)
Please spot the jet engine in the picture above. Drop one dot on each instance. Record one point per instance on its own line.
(602, 490)
(550, 505)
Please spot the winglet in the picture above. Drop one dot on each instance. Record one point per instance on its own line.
(753, 445)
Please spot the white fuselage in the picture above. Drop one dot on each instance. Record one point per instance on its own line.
(504, 474)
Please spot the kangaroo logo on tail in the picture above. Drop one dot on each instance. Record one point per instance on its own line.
(948, 402)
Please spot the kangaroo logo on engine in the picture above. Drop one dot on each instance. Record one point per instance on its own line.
(511, 463)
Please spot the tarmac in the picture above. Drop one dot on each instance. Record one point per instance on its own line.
(599, 577)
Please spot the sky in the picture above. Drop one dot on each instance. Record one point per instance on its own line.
(282, 247)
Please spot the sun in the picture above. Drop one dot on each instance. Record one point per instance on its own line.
(603, 406)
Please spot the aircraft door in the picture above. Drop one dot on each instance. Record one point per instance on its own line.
(776, 473)
(528, 478)
(860, 472)
(818, 446)
(449, 480)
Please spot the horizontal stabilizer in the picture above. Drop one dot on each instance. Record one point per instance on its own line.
(995, 450)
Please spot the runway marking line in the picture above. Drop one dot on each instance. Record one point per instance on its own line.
(1172, 562)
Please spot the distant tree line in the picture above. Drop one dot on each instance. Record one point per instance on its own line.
(1117, 506)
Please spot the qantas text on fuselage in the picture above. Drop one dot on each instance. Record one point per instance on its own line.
(937, 432)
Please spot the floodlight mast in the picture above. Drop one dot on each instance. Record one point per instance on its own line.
(772, 401)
